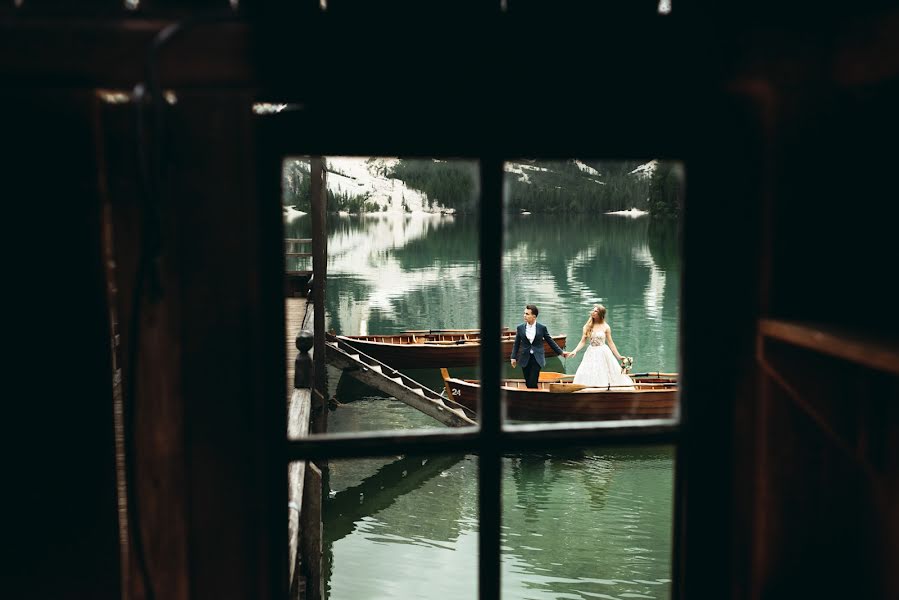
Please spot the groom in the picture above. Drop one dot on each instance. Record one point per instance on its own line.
(528, 347)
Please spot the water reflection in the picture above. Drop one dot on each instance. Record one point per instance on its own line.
(578, 524)
(389, 524)
(350, 506)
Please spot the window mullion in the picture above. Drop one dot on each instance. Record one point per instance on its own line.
(490, 417)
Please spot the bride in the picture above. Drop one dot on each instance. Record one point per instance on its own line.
(600, 366)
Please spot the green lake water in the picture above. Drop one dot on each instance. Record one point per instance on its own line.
(591, 523)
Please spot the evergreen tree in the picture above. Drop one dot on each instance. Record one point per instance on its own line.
(666, 190)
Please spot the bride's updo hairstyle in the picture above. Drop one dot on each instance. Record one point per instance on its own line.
(588, 326)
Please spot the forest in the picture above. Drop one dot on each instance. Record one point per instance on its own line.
(534, 186)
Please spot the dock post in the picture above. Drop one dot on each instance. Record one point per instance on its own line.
(302, 366)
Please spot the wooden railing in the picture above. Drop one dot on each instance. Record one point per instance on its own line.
(293, 247)
(298, 254)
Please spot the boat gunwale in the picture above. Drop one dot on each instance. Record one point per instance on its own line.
(351, 339)
(663, 388)
(460, 342)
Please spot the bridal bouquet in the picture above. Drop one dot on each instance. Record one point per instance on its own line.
(627, 362)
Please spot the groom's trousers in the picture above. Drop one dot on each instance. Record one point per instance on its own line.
(531, 373)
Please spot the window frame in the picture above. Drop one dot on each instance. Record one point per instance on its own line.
(492, 439)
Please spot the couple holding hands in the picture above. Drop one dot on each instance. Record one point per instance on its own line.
(601, 366)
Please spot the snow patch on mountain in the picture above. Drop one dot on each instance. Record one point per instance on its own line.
(586, 168)
(520, 168)
(645, 170)
(358, 176)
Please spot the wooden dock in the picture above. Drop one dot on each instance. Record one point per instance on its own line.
(304, 526)
(304, 479)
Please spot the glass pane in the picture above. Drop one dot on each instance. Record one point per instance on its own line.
(402, 284)
(401, 528)
(592, 258)
(593, 523)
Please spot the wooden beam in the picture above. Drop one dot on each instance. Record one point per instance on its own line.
(111, 53)
(319, 273)
(311, 533)
(868, 350)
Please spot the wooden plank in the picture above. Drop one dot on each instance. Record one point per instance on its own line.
(298, 316)
(225, 287)
(299, 410)
(311, 533)
(868, 350)
(159, 415)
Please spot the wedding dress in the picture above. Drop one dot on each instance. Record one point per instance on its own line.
(599, 367)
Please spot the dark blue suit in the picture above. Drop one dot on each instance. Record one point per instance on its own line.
(523, 351)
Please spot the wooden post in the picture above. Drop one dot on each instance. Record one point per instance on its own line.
(319, 270)
(297, 427)
(311, 532)
(302, 366)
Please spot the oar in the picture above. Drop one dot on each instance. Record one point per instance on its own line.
(653, 374)
(446, 330)
(440, 330)
(553, 376)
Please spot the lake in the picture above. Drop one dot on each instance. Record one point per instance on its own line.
(591, 523)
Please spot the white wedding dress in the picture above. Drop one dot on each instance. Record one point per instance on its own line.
(599, 367)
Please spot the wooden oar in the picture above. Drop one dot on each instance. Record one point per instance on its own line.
(653, 374)
(446, 330)
(553, 376)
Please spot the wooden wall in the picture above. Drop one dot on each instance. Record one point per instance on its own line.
(786, 124)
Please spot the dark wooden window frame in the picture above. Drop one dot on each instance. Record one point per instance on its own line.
(285, 136)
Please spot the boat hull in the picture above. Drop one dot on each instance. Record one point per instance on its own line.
(414, 351)
(654, 401)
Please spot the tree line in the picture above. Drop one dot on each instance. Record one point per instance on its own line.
(551, 186)
(448, 184)
(296, 191)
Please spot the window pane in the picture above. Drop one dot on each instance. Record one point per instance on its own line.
(593, 523)
(401, 291)
(401, 528)
(585, 236)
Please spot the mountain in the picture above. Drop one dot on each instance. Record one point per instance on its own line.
(358, 184)
(577, 185)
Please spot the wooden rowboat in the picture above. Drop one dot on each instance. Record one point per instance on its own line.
(432, 348)
(653, 396)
